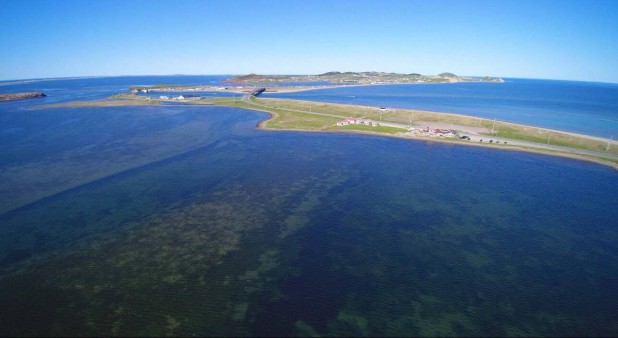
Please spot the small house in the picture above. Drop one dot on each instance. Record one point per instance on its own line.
(346, 121)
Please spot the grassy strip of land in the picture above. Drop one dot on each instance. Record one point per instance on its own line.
(378, 129)
(501, 129)
(281, 118)
(321, 116)
(285, 115)
(539, 135)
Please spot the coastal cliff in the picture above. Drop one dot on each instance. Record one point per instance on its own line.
(20, 96)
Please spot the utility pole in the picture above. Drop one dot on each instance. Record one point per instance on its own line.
(492, 127)
(608, 142)
(549, 138)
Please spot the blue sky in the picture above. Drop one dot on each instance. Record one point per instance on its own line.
(565, 39)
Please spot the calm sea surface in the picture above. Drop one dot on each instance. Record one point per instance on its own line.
(581, 107)
(185, 220)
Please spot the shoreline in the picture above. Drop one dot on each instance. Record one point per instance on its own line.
(240, 88)
(264, 125)
(248, 89)
(413, 111)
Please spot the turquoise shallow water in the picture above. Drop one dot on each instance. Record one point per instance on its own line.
(198, 224)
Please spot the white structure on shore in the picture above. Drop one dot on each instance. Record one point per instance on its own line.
(360, 121)
(432, 132)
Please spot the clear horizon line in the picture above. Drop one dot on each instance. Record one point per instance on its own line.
(265, 74)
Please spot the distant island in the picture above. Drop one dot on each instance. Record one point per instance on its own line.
(295, 83)
(20, 96)
(359, 78)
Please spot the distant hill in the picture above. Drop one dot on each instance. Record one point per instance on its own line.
(330, 73)
(371, 77)
(448, 75)
(248, 78)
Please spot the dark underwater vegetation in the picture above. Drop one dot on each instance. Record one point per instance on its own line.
(189, 221)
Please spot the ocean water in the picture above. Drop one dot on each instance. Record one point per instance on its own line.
(185, 220)
(64, 90)
(582, 107)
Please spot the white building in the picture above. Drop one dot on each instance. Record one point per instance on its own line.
(352, 120)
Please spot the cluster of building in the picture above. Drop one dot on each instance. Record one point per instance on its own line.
(432, 132)
(180, 97)
(189, 89)
(360, 121)
(181, 89)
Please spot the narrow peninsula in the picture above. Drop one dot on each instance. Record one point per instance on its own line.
(286, 114)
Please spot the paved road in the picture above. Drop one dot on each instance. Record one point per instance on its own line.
(474, 136)
(485, 138)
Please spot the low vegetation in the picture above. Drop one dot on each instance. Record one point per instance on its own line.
(321, 116)
(537, 135)
(378, 129)
(412, 117)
